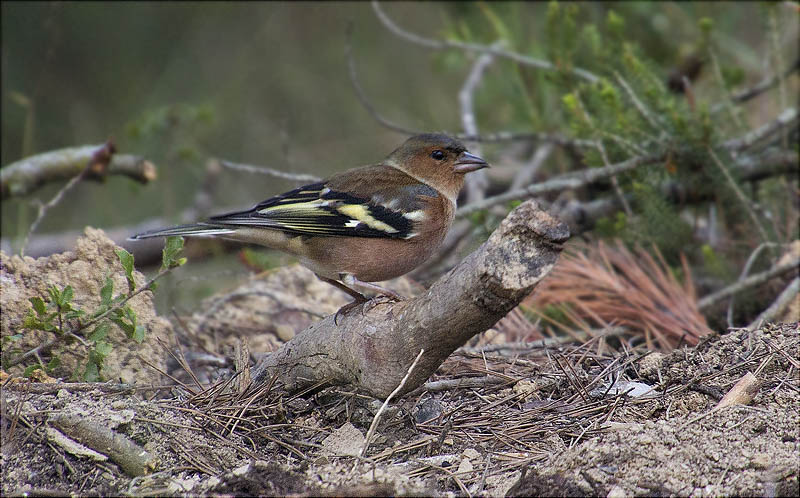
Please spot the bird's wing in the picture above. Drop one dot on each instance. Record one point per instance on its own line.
(374, 201)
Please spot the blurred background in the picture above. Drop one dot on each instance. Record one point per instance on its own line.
(267, 84)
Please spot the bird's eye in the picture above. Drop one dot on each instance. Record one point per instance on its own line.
(437, 154)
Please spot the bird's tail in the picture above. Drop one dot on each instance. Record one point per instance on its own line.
(194, 230)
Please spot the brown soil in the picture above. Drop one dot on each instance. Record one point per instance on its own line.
(475, 441)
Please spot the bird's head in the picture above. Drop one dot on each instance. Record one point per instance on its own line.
(437, 160)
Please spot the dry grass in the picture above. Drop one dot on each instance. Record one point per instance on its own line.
(604, 286)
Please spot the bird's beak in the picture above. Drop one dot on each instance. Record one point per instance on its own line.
(467, 162)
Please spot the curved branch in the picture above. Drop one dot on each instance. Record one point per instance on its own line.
(473, 47)
(500, 136)
(374, 343)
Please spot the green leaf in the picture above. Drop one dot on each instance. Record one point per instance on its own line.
(106, 292)
(72, 314)
(38, 305)
(66, 295)
(138, 334)
(103, 348)
(28, 371)
(54, 363)
(126, 259)
(173, 246)
(92, 372)
(38, 323)
(55, 294)
(125, 318)
(125, 326)
(100, 332)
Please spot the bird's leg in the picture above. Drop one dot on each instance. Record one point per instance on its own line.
(351, 280)
(358, 298)
(382, 292)
(342, 287)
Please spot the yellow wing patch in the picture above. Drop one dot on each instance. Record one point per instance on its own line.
(361, 214)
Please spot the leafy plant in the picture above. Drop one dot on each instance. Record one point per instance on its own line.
(58, 314)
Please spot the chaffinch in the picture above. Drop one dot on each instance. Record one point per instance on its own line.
(363, 225)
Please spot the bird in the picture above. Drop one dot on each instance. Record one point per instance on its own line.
(363, 225)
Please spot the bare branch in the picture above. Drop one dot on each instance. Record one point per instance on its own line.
(26, 175)
(759, 88)
(360, 94)
(748, 264)
(263, 170)
(739, 194)
(476, 183)
(373, 344)
(527, 173)
(97, 163)
(501, 136)
(786, 119)
(748, 283)
(473, 47)
(789, 294)
(566, 181)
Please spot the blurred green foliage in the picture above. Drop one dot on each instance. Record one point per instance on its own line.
(267, 84)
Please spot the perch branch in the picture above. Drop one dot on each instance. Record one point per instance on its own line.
(374, 343)
(26, 175)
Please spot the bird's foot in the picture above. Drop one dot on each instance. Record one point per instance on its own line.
(347, 308)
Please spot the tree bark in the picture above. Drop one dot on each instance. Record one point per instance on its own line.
(373, 345)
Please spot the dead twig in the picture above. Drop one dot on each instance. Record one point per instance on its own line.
(748, 264)
(476, 184)
(566, 181)
(263, 170)
(785, 120)
(739, 194)
(97, 164)
(376, 419)
(131, 458)
(790, 293)
(748, 283)
(389, 24)
(26, 175)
